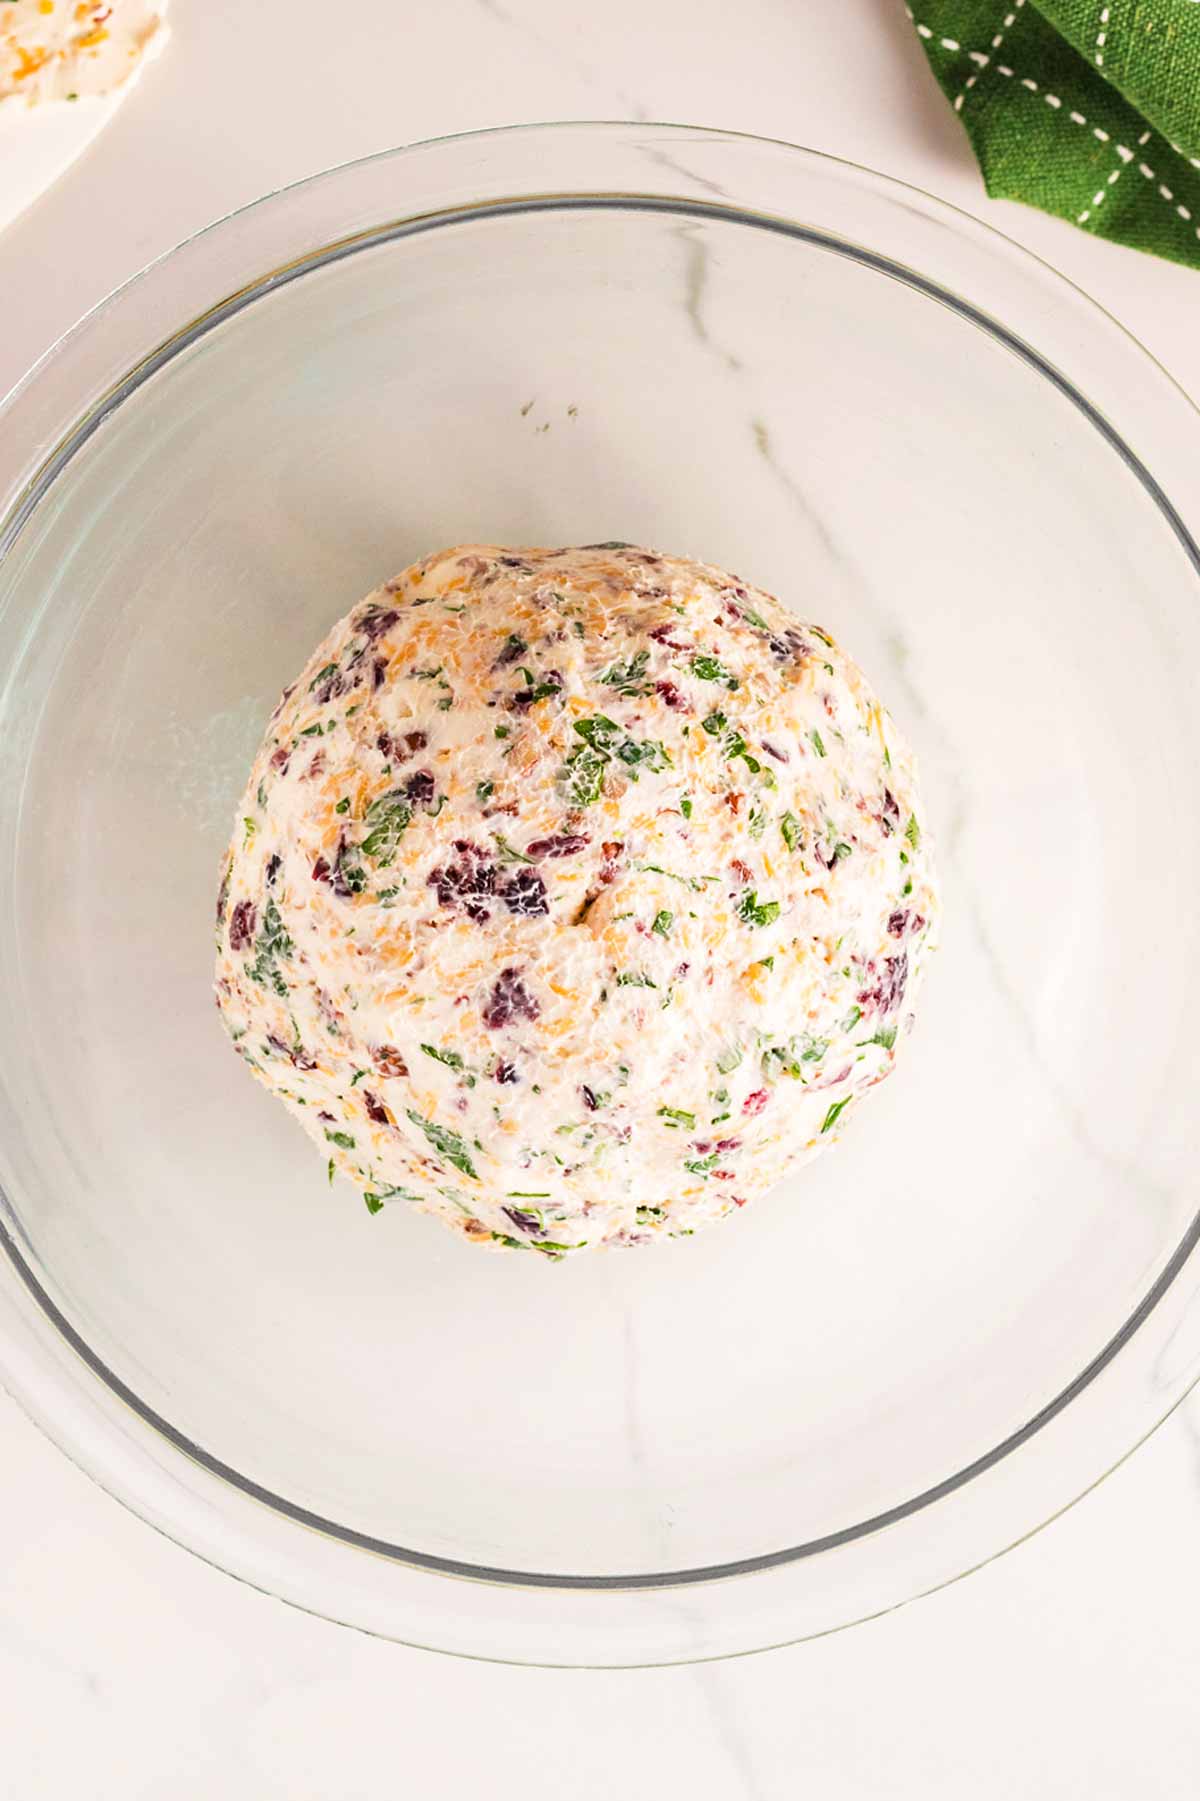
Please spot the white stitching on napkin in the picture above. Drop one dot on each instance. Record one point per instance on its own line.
(1101, 37)
(1126, 155)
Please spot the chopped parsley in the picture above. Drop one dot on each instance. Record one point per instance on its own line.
(451, 1059)
(388, 818)
(789, 826)
(685, 806)
(343, 805)
(663, 921)
(628, 678)
(912, 831)
(817, 742)
(484, 792)
(711, 669)
(629, 978)
(678, 1116)
(446, 1143)
(832, 1116)
(343, 1140)
(754, 912)
(270, 948)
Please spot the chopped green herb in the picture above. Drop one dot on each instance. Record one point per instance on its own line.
(789, 826)
(700, 1166)
(343, 1140)
(451, 1059)
(651, 754)
(912, 831)
(823, 636)
(313, 731)
(840, 852)
(508, 852)
(582, 776)
(663, 921)
(767, 962)
(832, 1116)
(526, 1194)
(753, 618)
(755, 912)
(446, 1143)
(817, 742)
(628, 678)
(646, 1214)
(322, 675)
(852, 1018)
(678, 1116)
(711, 669)
(729, 1060)
(484, 792)
(357, 1077)
(388, 817)
(633, 979)
(886, 1036)
(261, 796)
(757, 821)
(600, 732)
(331, 1171)
(715, 724)
(500, 731)
(374, 1203)
(513, 647)
(428, 675)
(270, 947)
(343, 805)
(251, 828)
(685, 806)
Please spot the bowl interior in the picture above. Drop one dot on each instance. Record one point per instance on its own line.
(710, 385)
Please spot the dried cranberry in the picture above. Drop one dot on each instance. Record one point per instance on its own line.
(326, 1116)
(274, 863)
(378, 672)
(376, 1110)
(375, 621)
(419, 788)
(729, 1144)
(321, 870)
(742, 870)
(589, 1098)
(772, 750)
(504, 1073)
(469, 882)
(754, 1103)
(888, 990)
(670, 695)
(891, 811)
(898, 922)
(560, 844)
(388, 1060)
(509, 999)
(525, 894)
(280, 758)
(241, 925)
(662, 635)
(789, 646)
(415, 741)
(511, 649)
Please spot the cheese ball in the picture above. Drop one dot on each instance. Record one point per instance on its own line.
(575, 896)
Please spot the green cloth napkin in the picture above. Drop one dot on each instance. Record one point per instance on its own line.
(1086, 108)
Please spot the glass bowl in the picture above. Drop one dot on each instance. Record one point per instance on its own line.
(914, 433)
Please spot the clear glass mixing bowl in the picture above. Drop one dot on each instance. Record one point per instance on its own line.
(914, 433)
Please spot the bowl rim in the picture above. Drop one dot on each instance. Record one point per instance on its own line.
(28, 485)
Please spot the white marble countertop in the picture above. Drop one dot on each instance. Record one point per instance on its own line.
(129, 1669)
